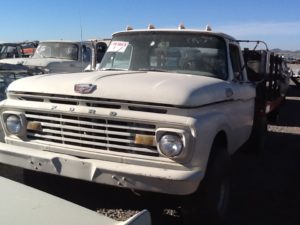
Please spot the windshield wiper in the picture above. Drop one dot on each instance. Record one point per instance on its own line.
(53, 57)
(152, 69)
(113, 69)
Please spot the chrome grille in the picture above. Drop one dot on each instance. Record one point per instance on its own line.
(91, 134)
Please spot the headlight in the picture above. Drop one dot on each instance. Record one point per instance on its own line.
(170, 145)
(13, 124)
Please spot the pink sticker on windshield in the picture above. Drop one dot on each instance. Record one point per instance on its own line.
(117, 46)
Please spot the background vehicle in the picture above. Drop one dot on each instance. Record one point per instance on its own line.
(165, 113)
(63, 56)
(296, 77)
(17, 50)
(50, 57)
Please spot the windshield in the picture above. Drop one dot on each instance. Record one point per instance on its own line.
(10, 51)
(190, 53)
(57, 50)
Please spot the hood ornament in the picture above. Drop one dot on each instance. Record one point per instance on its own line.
(85, 88)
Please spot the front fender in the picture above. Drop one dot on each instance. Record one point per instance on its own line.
(206, 129)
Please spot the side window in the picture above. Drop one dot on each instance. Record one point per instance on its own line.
(235, 61)
(100, 50)
(86, 53)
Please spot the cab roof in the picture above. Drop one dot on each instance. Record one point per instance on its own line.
(64, 41)
(195, 31)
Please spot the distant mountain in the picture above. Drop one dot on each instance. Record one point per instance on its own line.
(287, 53)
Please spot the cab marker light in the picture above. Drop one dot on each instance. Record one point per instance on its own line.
(129, 28)
(151, 26)
(208, 28)
(181, 26)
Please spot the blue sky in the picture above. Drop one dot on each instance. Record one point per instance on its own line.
(275, 21)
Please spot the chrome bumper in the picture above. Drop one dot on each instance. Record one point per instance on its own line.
(169, 181)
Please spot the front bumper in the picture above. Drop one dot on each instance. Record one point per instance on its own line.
(138, 177)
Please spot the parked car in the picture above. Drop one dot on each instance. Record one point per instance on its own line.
(49, 57)
(18, 50)
(296, 77)
(62, 56)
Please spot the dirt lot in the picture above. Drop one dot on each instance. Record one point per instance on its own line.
(266, 189)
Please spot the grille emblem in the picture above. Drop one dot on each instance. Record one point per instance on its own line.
(85, 88)
(113, 114)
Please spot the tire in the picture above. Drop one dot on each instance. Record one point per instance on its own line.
(257, 141)
(210, 203)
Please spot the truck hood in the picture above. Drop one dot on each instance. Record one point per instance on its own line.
(44, 62)
(147, 87)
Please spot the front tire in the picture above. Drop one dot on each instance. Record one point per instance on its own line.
(257, 140)
(210, 203)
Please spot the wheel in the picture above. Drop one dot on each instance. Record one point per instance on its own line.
(256, 142)
(210, 203)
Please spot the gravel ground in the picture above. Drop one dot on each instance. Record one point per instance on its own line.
(265, 189)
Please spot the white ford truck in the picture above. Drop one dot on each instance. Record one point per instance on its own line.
(164, 113)
(61, 56)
